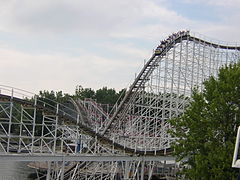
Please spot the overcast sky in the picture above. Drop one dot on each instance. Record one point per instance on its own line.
(59, 44)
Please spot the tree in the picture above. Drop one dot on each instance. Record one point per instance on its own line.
(106, 96)
(206, 131)
(83, 93)
(50, 99)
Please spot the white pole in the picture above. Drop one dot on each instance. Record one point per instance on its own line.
(236, 151)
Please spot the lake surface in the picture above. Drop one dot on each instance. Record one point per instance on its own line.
(10, 170)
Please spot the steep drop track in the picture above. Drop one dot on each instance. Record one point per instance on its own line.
(152, 64)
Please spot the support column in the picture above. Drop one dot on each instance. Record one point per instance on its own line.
(126, 172)
(62, 170)
(142, 170)
(49, 170)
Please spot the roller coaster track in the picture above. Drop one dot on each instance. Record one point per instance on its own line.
(152, 64)
(65, 118)
(139, 125)
(138, 83)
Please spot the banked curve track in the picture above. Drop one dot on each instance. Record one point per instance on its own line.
(65, 118)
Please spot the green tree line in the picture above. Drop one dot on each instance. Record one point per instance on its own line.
(103, 95)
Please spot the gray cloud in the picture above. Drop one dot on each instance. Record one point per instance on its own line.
(85, 17)
(120, 29)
